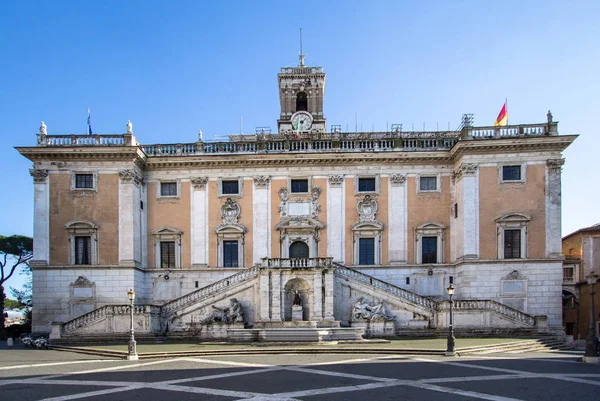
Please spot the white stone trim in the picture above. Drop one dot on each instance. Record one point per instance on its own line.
(240, 193)
(260, 217)
(512, 221)
(336, 204)
(553, 207)
(83, 228)
(429, 230)
(523, 165)
(41, 216)
(198, 206)
(470, 187)
(159, 183)
(94, 174)
(167, 234)
(397, 234)
(377, 177)
(438, 182)
(367, 229)
(230, 233)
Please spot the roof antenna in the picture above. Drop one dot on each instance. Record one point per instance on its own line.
(302, 55)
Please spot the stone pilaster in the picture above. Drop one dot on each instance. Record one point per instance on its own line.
(41, 218)
(397, 220)
(468, 174)
(276, 299)
(553, 207)
(199, 194)
(129, 219)
(261, 218)
(317, 309)
(328, 313)
(335, 217)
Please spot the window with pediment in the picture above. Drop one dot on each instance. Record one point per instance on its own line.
(83, 241)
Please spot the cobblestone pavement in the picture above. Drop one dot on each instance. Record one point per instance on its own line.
(28, 375)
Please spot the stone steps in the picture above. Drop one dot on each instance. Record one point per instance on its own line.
(516, 347)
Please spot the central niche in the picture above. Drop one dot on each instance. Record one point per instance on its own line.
(300, 286)
(299, 250)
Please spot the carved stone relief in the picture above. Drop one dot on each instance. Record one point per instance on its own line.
(398, 180)
(465, 169)
(367, 208)
(199, 182)
(555, 165)
(336, 180)
(39, 176)
(130, 175)
(230, 212)
(262, 181)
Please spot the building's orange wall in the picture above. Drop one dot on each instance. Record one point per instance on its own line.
(102, 209)
(496, 200)
(433, 207)
(572, 246)
(173, 213)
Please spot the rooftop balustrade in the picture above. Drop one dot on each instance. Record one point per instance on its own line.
(310, 142)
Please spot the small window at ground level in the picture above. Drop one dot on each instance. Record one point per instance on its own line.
(167, 254)
(83, 250)
(299, 186)
(428, 184)
(366, 184)
(366, 251)
(230, 254)
(231, 187)
(168, 189)
(84, 181)
(511, 173)
(568, 273)
(408, 281)
(512, 244)
(429, 250)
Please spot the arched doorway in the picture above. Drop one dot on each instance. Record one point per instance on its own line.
(301, 102)
(289, 290)
(299, 250)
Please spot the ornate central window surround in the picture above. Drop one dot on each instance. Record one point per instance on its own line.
(512, 221)
(83, 228)
(167, 234)
(430, 229)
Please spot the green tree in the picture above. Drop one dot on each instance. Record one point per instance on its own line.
(12, 304)
(15, 251)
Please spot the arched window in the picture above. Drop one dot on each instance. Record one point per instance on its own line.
(299, 249)
(301, 102)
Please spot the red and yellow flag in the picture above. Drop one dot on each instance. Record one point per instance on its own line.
(502, 117)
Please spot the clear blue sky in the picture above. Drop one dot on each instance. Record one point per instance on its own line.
(175, 67)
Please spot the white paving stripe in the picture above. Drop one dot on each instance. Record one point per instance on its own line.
(41, 365)
(339, 374)
(212, 377)
(466, 393)
(229, 363)
(90, 394)
(466, 365)
(343, 389)
(576, 380)
(476, 378)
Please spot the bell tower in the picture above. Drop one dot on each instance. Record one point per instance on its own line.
(301, 93)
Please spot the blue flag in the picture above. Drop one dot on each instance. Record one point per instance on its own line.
(89, 123)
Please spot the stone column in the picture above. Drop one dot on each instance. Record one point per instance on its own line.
(328, 295)
(335, 218)
(199, 222)
(397, 224)
(265, 289)
(468, 173)
(317, 307)
(261, 221)
(553, 207)
(41, 218)
(276, 300)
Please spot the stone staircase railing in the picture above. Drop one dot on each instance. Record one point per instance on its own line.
(344, 271)
(101, 313)
(493, 306)
(296, 263)
(209, 290)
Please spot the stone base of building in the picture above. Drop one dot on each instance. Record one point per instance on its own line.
(376, 329)
(296, 334)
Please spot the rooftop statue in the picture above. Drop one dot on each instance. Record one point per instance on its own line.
(129, 127)
(43, 128)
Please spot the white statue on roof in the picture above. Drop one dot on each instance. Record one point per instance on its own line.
(199, 135)
(43, 128)
(129, 127)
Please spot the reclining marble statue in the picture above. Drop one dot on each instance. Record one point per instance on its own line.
(364, 311)
(231, 314)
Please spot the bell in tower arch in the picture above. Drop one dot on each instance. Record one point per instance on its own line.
(301, 101)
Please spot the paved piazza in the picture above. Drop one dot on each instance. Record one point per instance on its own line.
(28, 375)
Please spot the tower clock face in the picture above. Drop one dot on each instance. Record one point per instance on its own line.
(301, 121)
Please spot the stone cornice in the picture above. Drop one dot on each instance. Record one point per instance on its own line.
(505, 145)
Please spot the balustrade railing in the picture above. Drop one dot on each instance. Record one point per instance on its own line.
(108, 310)
(209, 290)
(493, 306)
(511, 131)
(296, 263)
(412, 297)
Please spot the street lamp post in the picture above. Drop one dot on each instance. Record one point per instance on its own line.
(132, 354)
(591, 342)
(450, 344)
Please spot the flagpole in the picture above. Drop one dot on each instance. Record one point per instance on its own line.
(506, 109)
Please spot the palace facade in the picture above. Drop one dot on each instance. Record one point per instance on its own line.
(333, 216)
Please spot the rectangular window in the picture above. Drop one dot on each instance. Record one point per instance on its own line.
(230, 187)
(568, 274)
(83, 250)
(456, 210)
(512, 244)
(167, 254)
(168, 189)
(84, 181)
(511, 173)
(366, 251)
(428, 184)
(230, 254)
(429, 250)
(299, 186)
(366, 184)
(451, 280)
(408, 281)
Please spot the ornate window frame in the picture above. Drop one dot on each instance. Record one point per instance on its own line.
(357, 178)
(438, 183)
(367, 229)
(159, 183)
(431, 229)
(512, 221)
(523, 179)
(230, 230)
(240, 193)
(74, 174)
(164, 234)
(82, 228)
